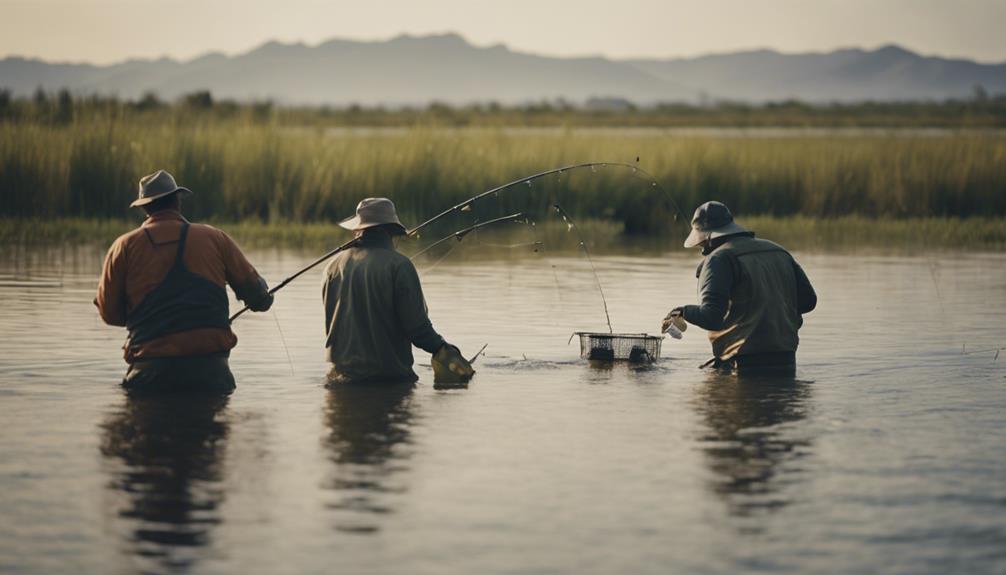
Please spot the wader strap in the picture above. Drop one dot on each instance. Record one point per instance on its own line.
(709, 363)
(179, 256)
(153, 242)
(180, 240)
(721, 364)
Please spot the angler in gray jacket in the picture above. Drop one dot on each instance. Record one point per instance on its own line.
(752, 295)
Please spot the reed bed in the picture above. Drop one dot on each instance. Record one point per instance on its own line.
(246, 171)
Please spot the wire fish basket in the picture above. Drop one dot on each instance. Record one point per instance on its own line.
(632, 347)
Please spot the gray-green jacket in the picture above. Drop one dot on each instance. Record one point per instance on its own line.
(374, 313)
(753, 294)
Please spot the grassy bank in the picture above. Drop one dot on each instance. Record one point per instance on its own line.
(798, 232)
(248, 171)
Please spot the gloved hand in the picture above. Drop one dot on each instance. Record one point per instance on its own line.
(450, 367)
(256, 295)
(674, 323)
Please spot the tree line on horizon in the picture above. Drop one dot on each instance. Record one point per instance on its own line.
(62, 107)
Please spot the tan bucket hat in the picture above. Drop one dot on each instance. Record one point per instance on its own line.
(372, 212)
(157, 185)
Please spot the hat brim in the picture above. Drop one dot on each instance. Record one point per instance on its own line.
(355, 224)
(144, 201)
(696, 237)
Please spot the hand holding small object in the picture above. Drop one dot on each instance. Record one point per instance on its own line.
(674, 323)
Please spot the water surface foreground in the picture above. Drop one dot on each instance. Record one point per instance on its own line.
(887, 453)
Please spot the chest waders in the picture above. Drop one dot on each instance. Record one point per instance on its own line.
(183, 301)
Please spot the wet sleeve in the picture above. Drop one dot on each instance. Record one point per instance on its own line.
(715, 281)
(806, 297)
(248, 286)
(410, 306)
(111, 297)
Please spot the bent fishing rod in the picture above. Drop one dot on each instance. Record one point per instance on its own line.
(458, 235)
(463, 206)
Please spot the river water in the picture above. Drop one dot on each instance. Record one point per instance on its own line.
(886, 454)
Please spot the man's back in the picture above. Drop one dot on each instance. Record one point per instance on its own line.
(139, 261)
(374, 313)
(752, 294)
(763, 316)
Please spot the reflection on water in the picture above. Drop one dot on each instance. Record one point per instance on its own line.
(747, 443)
(164, 458)
(891, 461)
(366, 425)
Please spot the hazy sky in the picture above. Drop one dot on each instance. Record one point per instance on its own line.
(110, 30)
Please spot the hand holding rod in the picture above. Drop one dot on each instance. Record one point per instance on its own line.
(311, 266)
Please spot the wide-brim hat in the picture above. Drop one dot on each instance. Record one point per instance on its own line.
(712, 220)
(156, 186)
(372, 212)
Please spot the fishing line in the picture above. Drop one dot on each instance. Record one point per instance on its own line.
(989, 350)
(936, 284)
(536, 245)
(433, 266)
(460, 234)
(467, 204)
(283, 340)
(540, 249)
(572, 227)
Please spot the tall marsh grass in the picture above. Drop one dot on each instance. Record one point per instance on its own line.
(243, 170)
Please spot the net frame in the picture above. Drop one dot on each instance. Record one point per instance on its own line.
(632, 347)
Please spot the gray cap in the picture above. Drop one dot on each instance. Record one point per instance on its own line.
(712, 220)
(155, 186)
(372, 212)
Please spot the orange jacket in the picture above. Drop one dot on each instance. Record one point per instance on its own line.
(135, 266)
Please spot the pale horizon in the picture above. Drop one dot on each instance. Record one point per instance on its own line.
(110, 31)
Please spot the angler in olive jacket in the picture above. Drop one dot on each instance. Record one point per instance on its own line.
(752, 295)
(375, 310)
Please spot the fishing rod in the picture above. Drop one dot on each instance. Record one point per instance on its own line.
(310, 266)
(460, 234)
(465, 206)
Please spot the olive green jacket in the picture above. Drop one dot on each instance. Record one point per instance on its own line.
(374, 313)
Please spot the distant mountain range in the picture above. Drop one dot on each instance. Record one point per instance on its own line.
(409, 70)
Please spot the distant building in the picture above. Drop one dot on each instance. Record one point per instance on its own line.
(609, 105)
